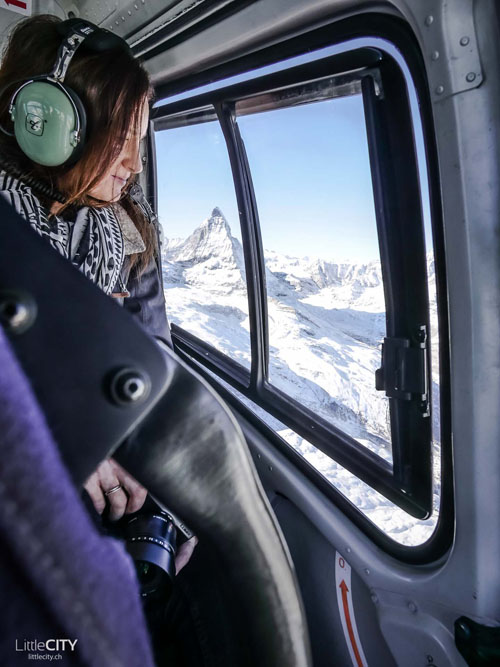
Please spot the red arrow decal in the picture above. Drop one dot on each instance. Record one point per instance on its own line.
(16, 3)
(347, 614)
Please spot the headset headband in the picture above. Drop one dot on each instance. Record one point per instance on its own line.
(65, 53)
(77, 31)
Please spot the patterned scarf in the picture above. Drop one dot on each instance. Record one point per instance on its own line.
(92, 241)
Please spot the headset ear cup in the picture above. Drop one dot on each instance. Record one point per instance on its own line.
(45, 116)
(78, 150)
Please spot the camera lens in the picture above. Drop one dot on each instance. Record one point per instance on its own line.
(151, 541)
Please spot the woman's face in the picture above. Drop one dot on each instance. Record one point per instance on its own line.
(109, 188)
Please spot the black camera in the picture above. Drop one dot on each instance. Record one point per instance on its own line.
(151, 540)
(152, 536)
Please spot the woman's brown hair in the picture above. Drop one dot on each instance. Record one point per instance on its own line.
(113, 87)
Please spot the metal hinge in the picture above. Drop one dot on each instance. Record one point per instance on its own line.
(403, 373)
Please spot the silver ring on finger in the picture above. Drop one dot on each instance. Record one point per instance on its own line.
(113, 490)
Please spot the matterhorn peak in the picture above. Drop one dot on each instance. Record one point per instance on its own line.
(211, 242)
(217, 221)
(217, 213)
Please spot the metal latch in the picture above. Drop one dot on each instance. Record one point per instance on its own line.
(403, 373)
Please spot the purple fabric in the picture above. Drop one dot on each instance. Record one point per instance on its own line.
(59, 578)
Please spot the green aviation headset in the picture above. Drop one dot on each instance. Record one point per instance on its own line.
(49, 117)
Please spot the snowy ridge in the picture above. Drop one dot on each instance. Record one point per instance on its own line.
(316, 274)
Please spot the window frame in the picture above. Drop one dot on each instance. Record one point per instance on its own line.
(358, 459)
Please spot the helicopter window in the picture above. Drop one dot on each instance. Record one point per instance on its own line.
(203, 265)
(325, 297)
(343, 347)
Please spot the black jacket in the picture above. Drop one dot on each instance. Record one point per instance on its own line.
(146, 301)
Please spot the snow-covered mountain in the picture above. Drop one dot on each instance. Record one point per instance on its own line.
(326, 323)
(210, 257)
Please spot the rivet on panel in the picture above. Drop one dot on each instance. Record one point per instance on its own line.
(270, 468)
(412, 607)
(18, 311)
(348, 550)
(464, 41)
(440, 90)
(367, 571)
(128, 386)
(470, 77)
(129, 13)
(374, 598)
(429, 20)
(435, 55)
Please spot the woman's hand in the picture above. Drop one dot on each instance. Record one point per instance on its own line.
(184, 554)
(112, 482)
(125, 495)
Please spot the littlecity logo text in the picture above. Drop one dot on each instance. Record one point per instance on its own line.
(50, 649)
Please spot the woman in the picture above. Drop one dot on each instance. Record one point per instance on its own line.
(88, 207)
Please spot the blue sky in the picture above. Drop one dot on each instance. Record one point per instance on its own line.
(194, 176)
(309, 165)
(311, 176)
(312, 180)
